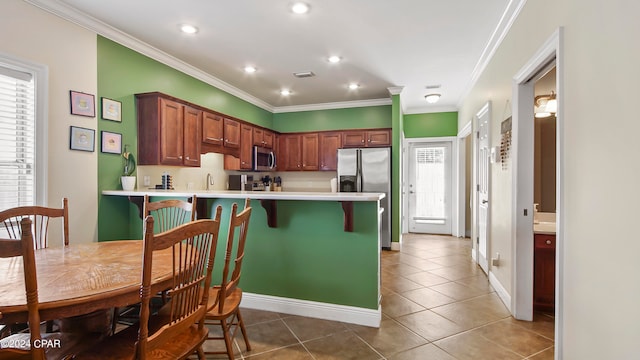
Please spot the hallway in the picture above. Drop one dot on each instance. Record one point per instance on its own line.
(437, 305)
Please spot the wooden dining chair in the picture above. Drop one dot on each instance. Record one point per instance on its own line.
(177, 330)
(41, 217)
(224, 298)
(167, 214)
(33, 344)
(170, 213)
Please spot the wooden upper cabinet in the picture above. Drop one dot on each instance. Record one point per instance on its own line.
(169, 131)
(379, 137)
(212, 129)
(309, 144)
(366, 138)
(246, 145)
(291, 149)
(329, 143)
(262, 137)
(192, 132)
(231, 133)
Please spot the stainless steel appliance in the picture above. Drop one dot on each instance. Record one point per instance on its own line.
(241, 182)
(264, 159)
(368, 170)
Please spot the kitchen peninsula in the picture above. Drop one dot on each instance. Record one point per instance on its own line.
(308, 253)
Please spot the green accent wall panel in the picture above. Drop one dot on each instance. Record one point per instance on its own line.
(430, 125)
(333, 119)
(309, 256)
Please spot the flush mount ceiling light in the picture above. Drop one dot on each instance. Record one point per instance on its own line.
(546, 105)
(285, 92)
(354, 86)
(300, 8)
(334, 59)
(250, 69)
(432, 98)
(188, 29)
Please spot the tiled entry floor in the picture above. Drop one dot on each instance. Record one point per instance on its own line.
(437, 305)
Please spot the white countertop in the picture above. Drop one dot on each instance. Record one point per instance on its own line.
(259, 195)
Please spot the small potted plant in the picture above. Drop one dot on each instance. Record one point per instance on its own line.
(128, 179)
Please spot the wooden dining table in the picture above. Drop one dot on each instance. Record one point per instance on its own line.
(81, 278)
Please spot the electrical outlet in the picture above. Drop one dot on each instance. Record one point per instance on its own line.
(496, 260)
(146, 180)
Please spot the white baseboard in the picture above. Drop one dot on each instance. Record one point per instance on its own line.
(501, 291)
(396, 246)
(326, 311)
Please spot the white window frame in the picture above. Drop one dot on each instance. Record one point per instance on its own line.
(40, 75)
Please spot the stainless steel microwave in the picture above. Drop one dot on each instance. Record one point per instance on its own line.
(263, 159)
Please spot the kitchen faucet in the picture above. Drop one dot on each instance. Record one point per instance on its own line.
(209, 180)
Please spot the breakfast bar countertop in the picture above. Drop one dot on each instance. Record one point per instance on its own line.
(258, 195)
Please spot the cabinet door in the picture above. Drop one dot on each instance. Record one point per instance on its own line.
(379, 138)
(354, 138)
(267, 139)
(231, 133)
(328, 150)
(258, 135)
(310, 151)
(192, 136)
(246, 145)
(212, 129)
(292, 150)
(171, 132)
(544, 272)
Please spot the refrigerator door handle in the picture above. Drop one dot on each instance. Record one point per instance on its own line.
(359, 181)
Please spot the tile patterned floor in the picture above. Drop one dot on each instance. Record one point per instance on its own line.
(437, 304)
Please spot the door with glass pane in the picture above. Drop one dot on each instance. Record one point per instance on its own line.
(430, 188)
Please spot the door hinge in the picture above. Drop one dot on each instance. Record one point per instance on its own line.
(478, 240)
(477, 187)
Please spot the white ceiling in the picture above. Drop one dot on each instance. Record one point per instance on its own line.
(383, 44)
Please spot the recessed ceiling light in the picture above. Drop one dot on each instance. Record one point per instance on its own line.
(353, 86)
(432, 98)
(334, 59)
(188, 29)
(300, 8)
(285, 92)
(250, 69)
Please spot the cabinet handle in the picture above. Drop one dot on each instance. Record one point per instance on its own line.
(548, 242)
(187, 158)
(369, 140)
(362, 140)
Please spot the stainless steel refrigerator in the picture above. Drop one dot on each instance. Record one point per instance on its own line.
(368, 170)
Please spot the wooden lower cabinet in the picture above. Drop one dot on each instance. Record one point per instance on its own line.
(544, 272)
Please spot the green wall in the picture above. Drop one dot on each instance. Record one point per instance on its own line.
(122, 73)
(309, 256)
(334, 119)
(430, 125)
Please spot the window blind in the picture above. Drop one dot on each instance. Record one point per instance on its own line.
(17, 138)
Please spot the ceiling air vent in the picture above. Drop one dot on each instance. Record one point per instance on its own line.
(304, 74)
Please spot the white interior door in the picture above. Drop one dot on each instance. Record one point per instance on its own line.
(482, 187)
(430, 188)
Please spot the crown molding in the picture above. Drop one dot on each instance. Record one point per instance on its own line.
(79, 18)
(333, 105)
(430, 109)
(504, 25)
(395, 90)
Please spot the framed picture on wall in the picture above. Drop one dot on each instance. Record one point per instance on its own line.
(111, 142)
(81, 139)
(82, 104)
(111, 109)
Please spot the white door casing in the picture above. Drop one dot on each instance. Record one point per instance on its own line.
(483, 186)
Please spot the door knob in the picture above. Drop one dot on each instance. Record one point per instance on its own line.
(485, 201)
